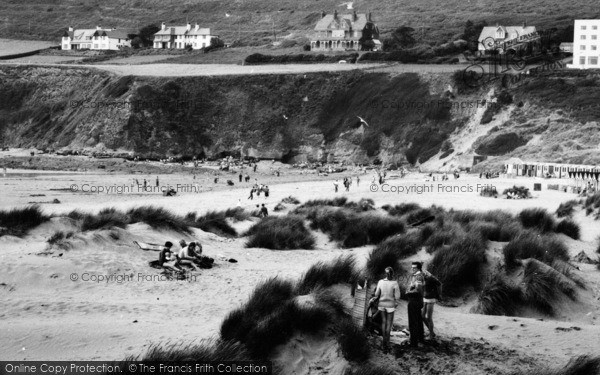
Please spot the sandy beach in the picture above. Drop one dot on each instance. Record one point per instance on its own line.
(66, 305)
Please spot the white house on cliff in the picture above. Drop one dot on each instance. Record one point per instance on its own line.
(96, 39)
(180, 37)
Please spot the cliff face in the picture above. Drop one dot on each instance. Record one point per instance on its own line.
(313, 117)
(290, 117)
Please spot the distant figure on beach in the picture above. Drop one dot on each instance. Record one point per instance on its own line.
(386, 296)
(266, 190)
(216, 180)
(335, 185)
(263, 211)
(240, 176)
(277, 173)
(415, 304)
(254, 167)
(357, 181)
(239, 203)
(157, 183)
(145, 184)
(432, 290)
(251, 197)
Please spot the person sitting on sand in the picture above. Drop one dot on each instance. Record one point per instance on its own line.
(387, 293)
(166, 259)
(187, 256)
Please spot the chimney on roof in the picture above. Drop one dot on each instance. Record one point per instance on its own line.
(163, 26)
(196, 27)
(354, 16)
(70, 28)
(335, 14)
(188, 26)
(323, 14)
(369, 19)
(98, 28)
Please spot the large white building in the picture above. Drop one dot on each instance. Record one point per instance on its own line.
(586, 44)
(181, 37)
(95, 39)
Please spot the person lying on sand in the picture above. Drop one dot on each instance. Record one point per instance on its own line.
(167, 259)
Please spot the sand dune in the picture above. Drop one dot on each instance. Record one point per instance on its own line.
(46, 315)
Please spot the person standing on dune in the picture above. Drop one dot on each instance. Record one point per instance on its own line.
(386, 296)
(432, 290)
(415, 305)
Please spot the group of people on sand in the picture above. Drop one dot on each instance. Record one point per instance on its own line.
(423, 291)
(189, 255)
(347, 183)
(257, 189)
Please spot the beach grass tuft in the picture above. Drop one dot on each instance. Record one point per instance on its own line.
(498, 297)
(459, 265)
(281, 233)
(537, 218)
(18, 221)
(569, 228)
(566, 209)
(530, 244)
(321, 274)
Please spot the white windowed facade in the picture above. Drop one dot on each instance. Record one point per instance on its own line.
(586, 53)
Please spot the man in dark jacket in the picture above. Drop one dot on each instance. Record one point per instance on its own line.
(415, 304)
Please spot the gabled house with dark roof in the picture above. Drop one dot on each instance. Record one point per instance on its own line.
(96, 39)
(335, 32)
(180, 37)
(503, 38)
